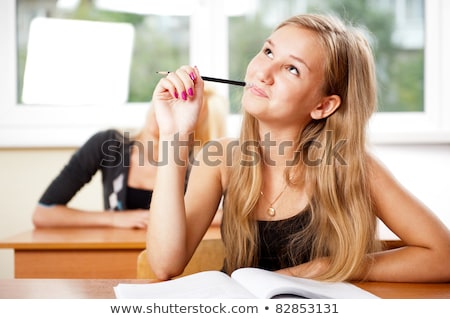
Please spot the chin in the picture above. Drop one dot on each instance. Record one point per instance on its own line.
(252, 105)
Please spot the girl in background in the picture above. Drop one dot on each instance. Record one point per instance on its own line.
(128, 165)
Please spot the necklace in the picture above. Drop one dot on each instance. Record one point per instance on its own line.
(271, 211)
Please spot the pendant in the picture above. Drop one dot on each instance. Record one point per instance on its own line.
(271, 211)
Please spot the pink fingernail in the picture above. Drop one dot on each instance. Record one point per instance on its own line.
(184, 95)
(192, 76)
(191, 92)
(176, 94)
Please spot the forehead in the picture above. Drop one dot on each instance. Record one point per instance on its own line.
(298, 42)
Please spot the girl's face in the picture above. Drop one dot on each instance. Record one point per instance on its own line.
(285, 79)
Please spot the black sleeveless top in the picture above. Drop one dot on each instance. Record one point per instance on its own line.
(138, 198)
(275, 238)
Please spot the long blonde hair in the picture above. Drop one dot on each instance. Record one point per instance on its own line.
(343, 224)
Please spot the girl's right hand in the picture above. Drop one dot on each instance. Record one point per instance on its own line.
(177, 100)
(136, 218)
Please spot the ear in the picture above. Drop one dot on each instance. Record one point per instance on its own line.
(327, 106)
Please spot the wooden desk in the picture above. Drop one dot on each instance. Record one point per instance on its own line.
(401, 290)
(103, 289)
(79, 252)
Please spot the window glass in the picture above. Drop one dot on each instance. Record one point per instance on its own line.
(397, 36)
(161, 41)
(162, 37)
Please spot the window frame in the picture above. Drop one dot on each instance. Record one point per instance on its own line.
(28, 126)
(432, 125)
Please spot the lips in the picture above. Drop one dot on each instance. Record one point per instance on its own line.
(255, 90)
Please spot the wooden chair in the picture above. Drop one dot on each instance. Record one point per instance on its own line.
(209, 255)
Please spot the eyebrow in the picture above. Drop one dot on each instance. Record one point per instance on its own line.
(300, 60)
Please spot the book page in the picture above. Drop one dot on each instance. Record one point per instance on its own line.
(267, 284)
(203, 285)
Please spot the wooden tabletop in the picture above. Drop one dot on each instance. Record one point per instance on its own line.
(103, 289)
(76, 238)
(83, 238)
(79, 253)
(401, 290)
(61, 288)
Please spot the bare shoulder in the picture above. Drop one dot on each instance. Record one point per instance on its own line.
(216, 157)
(378, 171)
(390, 197)
(217, 151)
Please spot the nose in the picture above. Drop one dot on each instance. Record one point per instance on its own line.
(265, 74)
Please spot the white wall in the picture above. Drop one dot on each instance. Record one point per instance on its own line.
(25, 173)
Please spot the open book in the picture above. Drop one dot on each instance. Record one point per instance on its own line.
(243, 283)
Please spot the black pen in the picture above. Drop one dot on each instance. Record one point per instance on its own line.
(210, 79)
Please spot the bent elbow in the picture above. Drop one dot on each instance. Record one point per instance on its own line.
(161, 270)
(163, 275)
(44, 216)
(446, 264)
(38, 220)
(439, 263)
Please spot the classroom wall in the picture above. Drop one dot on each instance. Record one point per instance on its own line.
(25, 173)
(423, 169)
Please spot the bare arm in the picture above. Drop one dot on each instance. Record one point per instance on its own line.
(166, 235)
(63, 216)
(52, 210)
(426, 254)
(170, 239)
